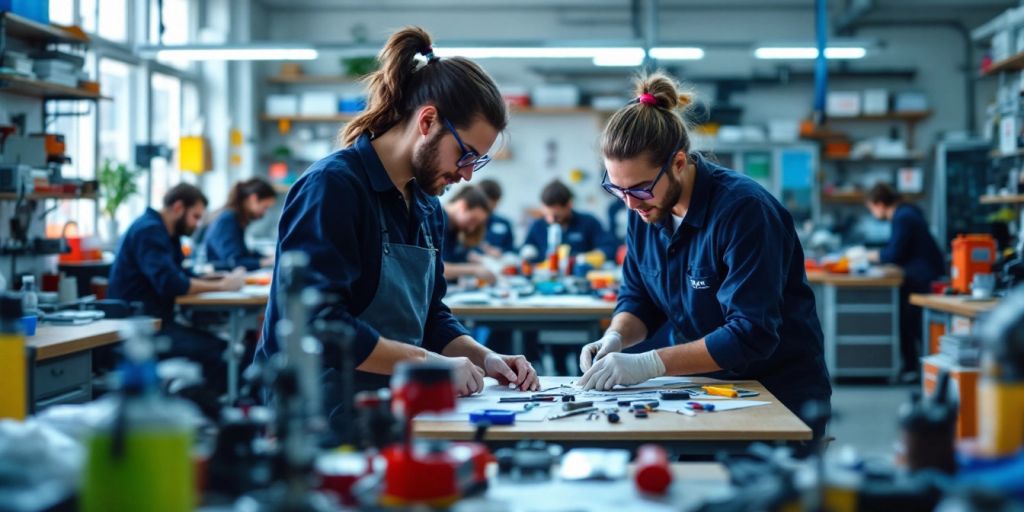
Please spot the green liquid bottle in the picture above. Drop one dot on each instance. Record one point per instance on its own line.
(139, 458)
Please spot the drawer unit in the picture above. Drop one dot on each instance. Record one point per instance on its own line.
(66, 379)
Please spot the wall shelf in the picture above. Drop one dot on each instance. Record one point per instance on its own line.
(859, 197)
(337, 118)
(25, 29)
(996, 154)
(868, 160)
(911, 116)
(12, 196)
(21, 86)
(1012, 63)
(312, 79)
(1002, 199)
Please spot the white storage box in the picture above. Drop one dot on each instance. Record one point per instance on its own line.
(556, 96)
(281, 105)
(876, 101)
(843, 104)
(910, 101)
(783, 130)
(318, 104)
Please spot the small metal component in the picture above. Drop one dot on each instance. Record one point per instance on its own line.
(572, 413)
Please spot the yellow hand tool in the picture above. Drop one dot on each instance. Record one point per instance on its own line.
(720, 391)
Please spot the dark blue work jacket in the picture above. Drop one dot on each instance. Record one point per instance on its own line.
(500, 234)
(583, 234)
(148, 267)
(912, 247)
(331, 215)
(733, 274)
(225, 244)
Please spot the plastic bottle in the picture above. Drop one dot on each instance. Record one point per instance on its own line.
(13, 362)
(29, 298)
(139, 456)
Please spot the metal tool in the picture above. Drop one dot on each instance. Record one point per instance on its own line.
(518, 399)
(588, 410)
(572, 406)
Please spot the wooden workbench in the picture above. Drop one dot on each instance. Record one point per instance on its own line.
(890, 276)
(62, 369)
(703, 433)
(954, 304)
(53, 341)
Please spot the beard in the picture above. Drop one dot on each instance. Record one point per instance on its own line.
(427, 172)
(181, 228)
(668, 200)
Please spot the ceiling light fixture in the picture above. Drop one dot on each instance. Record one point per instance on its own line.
(809, 52)
(231, 52)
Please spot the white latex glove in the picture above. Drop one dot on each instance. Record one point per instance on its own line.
(467, 377)
(594, 351)
(234, 281)
(626, 369)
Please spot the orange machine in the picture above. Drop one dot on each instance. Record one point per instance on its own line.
(972, 254)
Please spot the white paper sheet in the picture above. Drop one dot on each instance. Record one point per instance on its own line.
(722, 405)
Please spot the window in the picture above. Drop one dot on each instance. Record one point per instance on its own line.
(106, 18)
(76, 121)
(166, 129)
(62, 12)
(176, 27)
(115, 130)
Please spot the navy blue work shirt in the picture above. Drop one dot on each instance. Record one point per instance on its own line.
(500, 234)
(453, 251)
(225, 243)
(732, 274)
(148, 267)
(331, 214)
(583, 234)
(912, 247)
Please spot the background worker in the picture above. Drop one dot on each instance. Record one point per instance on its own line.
(224, 238)
(582, 232)
(466, 217)
(500, 238)
(911, 247)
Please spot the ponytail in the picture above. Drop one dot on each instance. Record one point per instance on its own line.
(651, 124)
(410, 76)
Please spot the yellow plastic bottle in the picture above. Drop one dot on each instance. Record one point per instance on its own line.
(13, 362)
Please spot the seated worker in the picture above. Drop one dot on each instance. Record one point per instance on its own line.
(148, 269)
(500, 238)
(466, 224)
(368, 218)
(583, 232)
(224, 238)
(711, 252)
(913, 249)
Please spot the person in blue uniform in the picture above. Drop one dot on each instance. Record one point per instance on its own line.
(582, 231)
(466, 225)
(911, 247)
(712, 253)
(500, 238)
(224, 238)
(368, 218)
(148, 269)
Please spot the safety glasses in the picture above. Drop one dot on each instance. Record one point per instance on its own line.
(469, 157)
(641, 193)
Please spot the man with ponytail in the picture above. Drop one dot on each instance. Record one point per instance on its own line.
(369, 219)
(710, 252)
(224, 238)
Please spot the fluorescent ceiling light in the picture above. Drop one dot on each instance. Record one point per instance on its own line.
(677, 53)
(231, 52)
(620, 57)
(538, 52)
(808, 52)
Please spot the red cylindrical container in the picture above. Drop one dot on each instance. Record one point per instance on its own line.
(652, 472)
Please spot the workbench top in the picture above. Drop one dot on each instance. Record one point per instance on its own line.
(962, 305)
(886, 276)
(60, 340)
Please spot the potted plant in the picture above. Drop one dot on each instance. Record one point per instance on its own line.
(117, 185)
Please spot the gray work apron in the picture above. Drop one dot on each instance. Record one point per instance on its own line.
(398, 310)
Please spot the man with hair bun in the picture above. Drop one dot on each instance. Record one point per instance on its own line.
(369, 219)
(710, 252)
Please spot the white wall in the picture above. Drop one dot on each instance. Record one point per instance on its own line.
(936, 53)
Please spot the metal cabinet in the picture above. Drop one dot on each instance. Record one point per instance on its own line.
(862, 330)
(62, 380)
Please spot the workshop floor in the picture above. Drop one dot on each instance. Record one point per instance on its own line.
(867, 417)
